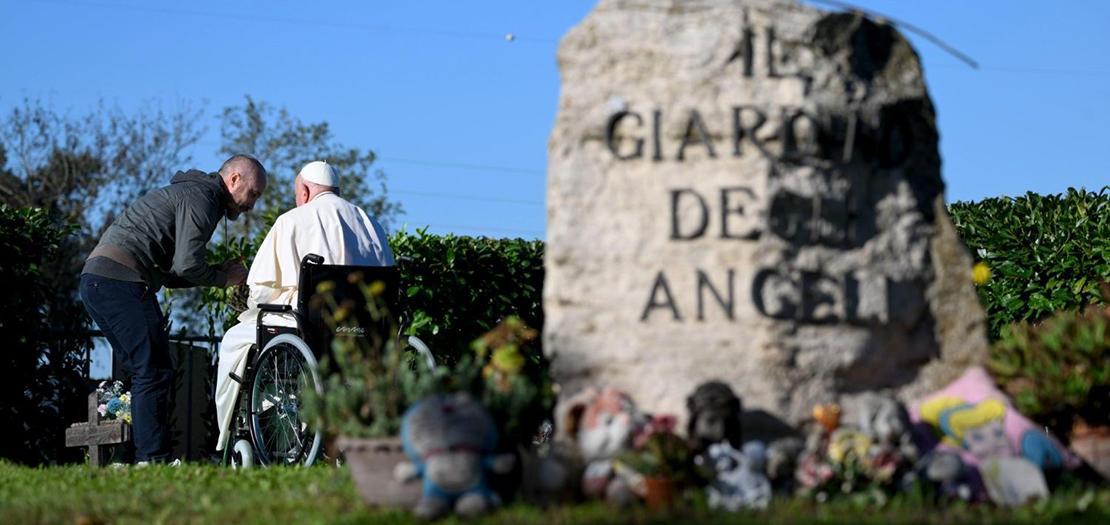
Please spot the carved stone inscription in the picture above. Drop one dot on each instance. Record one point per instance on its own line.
(834, 218)
(748, 190)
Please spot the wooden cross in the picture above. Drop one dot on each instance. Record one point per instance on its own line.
(93, 433)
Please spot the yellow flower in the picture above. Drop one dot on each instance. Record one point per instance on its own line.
(126, 398)
(341, 314)
(844, 442)
(377, 288)
(980, 273)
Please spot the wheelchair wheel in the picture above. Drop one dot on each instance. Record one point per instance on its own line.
(422, 348)
(242, 455)
(284, 370)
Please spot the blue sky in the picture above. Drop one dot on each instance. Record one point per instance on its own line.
(460, 115)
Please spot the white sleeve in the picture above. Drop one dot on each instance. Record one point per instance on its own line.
(272, 278)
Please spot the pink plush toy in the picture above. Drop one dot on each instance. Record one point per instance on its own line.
(974, 418)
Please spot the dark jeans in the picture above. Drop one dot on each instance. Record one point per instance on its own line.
(129, 315)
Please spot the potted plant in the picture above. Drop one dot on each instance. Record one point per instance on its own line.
(660, 464)
(368, 384)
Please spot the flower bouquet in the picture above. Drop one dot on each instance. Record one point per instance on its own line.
(661, 463)
(113, 403)
(850, 462)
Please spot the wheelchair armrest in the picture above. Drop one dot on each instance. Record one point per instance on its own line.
(275, 307)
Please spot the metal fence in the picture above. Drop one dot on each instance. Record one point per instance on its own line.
(194, 359)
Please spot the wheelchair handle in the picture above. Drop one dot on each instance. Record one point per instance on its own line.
(312, 258)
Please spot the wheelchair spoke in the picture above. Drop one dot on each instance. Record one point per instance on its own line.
(281, 433)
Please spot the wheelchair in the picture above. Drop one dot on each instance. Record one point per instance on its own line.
(268, 427)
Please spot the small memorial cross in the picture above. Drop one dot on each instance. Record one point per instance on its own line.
(94, 433)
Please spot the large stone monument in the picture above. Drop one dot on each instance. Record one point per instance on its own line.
(749, 190)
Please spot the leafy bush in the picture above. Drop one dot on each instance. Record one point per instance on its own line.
(508, 373)
(1045, 253)
(456, 288)
(44, 384)
(1059, 369)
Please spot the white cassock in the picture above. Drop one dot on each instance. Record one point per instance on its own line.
(328, 226)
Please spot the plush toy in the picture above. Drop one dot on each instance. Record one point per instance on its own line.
(451, 441)
(948, 474)
(739, 482)
(547, 473)
(974, 418)
(884, 420)
(602, 425)
(782, 461)
(714, 415)
(1013, 481)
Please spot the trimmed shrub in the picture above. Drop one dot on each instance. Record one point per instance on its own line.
(1045, 253)
(457, 288)
(453, 288)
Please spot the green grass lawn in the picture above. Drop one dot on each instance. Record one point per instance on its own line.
(208, 494)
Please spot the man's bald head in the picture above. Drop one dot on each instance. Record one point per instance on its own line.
(245, 165)
(245, 179)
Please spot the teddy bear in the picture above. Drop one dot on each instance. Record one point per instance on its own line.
(715, 412)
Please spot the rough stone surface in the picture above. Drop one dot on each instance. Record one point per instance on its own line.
(750, 191)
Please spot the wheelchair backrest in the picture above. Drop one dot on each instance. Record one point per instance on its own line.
(324, 287)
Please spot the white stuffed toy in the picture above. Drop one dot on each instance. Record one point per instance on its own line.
(740, 482)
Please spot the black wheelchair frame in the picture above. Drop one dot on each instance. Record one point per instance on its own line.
(309, 340)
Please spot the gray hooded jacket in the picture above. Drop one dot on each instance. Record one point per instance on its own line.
(163, 235)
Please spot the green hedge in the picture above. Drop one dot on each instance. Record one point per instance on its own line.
(43, 388)
(454, 289)
(1045, 252)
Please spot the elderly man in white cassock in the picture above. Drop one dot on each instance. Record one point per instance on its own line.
(322, 223)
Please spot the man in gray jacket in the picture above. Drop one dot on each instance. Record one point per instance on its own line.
(161, 240)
